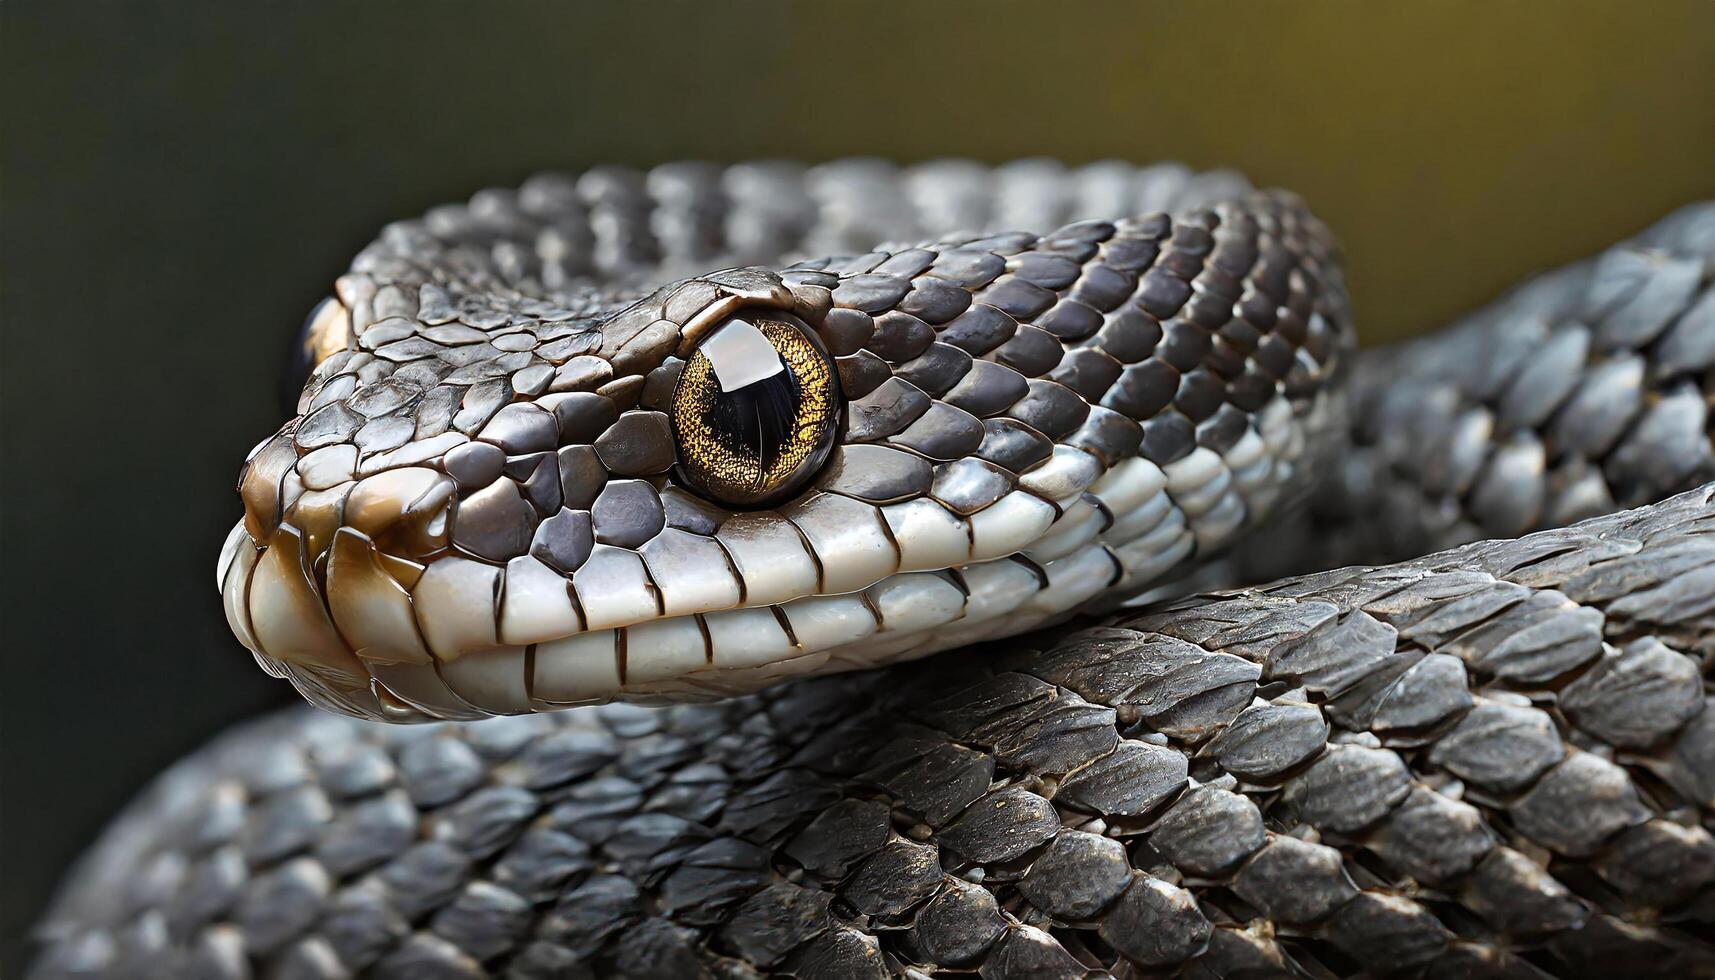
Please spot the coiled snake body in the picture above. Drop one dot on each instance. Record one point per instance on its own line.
(522, 479)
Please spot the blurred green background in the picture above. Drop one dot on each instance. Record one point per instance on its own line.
(182, 181)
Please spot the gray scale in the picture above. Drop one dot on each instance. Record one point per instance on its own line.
(750, 817)
(1489, 753)
(1564, 399)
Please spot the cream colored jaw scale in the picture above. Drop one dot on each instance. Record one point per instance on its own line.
(534, 642)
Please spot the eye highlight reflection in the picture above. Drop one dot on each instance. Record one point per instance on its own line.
(754, 410)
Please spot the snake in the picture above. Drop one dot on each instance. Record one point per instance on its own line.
(1255, 654)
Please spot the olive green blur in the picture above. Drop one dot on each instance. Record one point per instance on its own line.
(183, 181)
(1453, 146)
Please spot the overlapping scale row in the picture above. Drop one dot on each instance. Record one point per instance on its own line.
(1494, 761)
(476, 511)
(1585, 389)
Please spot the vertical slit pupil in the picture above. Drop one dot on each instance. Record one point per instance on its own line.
(754, 411)
(757, 419)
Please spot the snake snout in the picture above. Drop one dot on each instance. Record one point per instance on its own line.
(317, 579)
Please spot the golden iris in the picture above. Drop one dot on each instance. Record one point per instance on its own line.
(754, 411)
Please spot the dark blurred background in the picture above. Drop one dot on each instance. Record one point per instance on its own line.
(182, 181)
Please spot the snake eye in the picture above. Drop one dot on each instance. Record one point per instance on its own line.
(754, 410)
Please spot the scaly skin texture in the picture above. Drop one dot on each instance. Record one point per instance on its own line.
(1581, 391)
(1496, 760)
(1491, 761)
(478, 511)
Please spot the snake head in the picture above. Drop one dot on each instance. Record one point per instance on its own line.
(508, 491)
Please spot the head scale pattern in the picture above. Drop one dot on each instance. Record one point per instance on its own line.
(489, 502)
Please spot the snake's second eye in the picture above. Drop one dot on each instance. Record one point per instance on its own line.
(754, 411)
